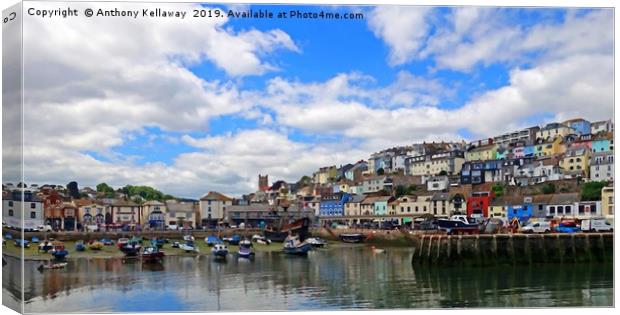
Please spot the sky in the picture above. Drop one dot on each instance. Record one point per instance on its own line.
(197, 105)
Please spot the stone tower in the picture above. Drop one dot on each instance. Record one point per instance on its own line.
(263, 182)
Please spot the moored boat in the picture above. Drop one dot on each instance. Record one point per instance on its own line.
(298, 227)
(52, 266)
(58, 250)
(152, 254)
(317, 242)
(22, 243)
(106, 241)
(121, 242)
(80, 247)
(211, 240)
(95, 245)
(459, 224)
(34, 239)
(131, 248)
(234, 240)
(219, 251)
(189, 246)
(293, 246)
(352, 237)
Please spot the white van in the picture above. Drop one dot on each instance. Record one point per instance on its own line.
(596, 225)
(536, 227)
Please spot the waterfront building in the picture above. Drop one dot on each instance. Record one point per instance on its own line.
(587, 209)
(213, 207)
(579, 125)
(404, 204)
(380, 205)
(607, 202)
(562, 205)
(333, 205)
(154, 214)
(13, 207)
(554, 130)
(602, 166)
(438, 183)
(92, 213)
(441, 204)
(478, 204)
(576, 162)
(367, 206)
(126, 212)
(354, 205)
(421, 204)
(497, 208)
(252, 214)
(181, 213)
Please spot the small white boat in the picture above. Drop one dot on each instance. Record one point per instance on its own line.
(189, 247)
(52, 266)
(188, 238)
(316, 242)
(219, 250)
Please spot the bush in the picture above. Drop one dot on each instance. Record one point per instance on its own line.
(591, 191)
(548, 189)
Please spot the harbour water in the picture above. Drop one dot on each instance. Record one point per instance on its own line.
(341, 277)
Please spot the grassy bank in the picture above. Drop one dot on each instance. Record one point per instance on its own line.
(112, 251)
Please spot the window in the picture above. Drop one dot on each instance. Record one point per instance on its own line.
(10, 212)
(581, 209)
(33, 205)
(10, 203)
(33, 215)
(560, 209)
(552, 210)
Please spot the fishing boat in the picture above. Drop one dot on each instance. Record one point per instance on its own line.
(189, 246)
(107, 241)
(352, 237)
(52, 266)
(459, 224)
(22, 243)
(219, 251)
(211, 240)
(316, 242)
(131, 248)
(152, 254)
(45, 246)
(58, 250)
(293, 246)
(234, 240)
(95, 245)
(245, 250)
(121, 242)
(298, 227)
(80, 247)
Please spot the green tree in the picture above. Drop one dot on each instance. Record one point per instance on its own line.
(146, 192)
(103, 187)
(498, 190)
(381, 171)
(304, 181)
(548, 188)
(443, 173)
(591, 191)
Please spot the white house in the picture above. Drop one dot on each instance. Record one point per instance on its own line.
(31, 207)
(602, 166)
(213, 207)
(437, 183)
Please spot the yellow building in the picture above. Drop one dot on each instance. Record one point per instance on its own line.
(325, 174)
(552, 147)
(482, 153)
(576, 162)
(607, 202)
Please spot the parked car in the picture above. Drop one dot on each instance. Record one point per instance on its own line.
(173, 227)
(536, 227)
(92, 228)
(44, 228)
(596, 225)
(567, 227)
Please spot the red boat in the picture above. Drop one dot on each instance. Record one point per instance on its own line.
(152, 254)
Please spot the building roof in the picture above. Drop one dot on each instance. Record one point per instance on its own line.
(174, 205)
(356, 198)
(250, 207)
(441, 197)
(564, 198)
(153, 203)
(214, 195)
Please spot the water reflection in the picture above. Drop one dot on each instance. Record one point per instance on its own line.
(336, 278)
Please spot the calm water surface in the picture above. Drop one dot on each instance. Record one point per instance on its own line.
(336, 278)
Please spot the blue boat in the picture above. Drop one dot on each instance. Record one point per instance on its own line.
(293, 246)
(34, 239)
(107, 241)
(8, 236)
(212, 240)
(234, 240)
(158, 242)
(22, 243)
(80, 247)
(59, 251)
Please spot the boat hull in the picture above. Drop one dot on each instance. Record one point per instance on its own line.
(298, 250)
(299, 227)
(352, 238)
(153, 257)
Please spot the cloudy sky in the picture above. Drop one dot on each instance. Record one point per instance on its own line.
(194, 105)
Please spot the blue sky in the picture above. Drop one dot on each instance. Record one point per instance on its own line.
(201, 102)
